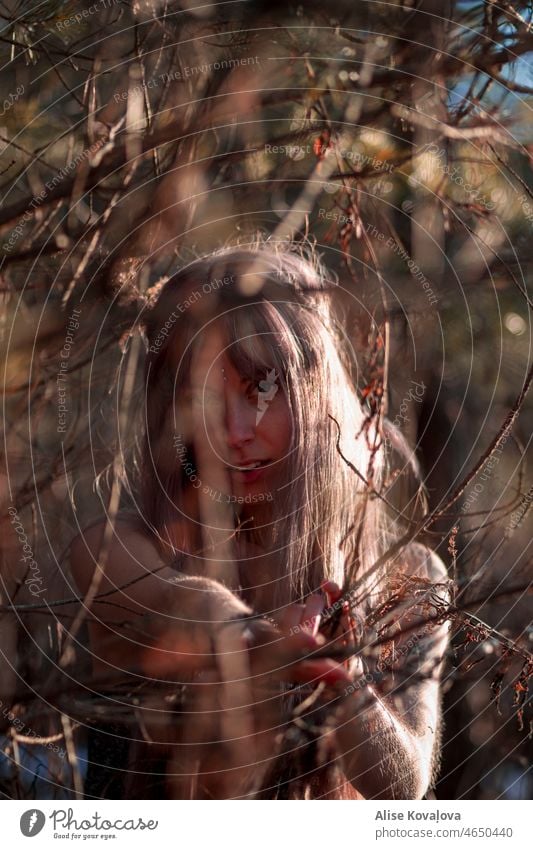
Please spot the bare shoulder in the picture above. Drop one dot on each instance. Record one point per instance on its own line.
(417, 628)
(422, 562)
(124, 560)
(123, 541)
(419, 640)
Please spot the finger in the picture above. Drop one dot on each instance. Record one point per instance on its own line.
(290, 618)
(356, 667)
(180, 652)
(317, 671)
(312, 614)
(300, 667)
(277, 659)
(203, 708)
(347, 629)
(332, 589)
(175, 655)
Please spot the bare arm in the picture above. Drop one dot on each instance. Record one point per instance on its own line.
(387, 733)
(162, 624)
(139, 598)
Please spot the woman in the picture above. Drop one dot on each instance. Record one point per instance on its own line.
(247, 572)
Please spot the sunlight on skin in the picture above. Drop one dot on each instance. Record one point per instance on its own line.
(232, 435)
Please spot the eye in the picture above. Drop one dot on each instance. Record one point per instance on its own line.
(253, 389)
(264, 386)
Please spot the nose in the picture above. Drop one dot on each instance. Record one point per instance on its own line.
(240, 422)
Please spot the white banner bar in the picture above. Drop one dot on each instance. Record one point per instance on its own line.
(268, 825)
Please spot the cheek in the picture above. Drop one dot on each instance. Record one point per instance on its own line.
(280, 430)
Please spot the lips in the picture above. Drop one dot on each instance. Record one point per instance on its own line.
(249, 466)
(250, 471)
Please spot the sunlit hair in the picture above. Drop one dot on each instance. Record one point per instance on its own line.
(273, 303)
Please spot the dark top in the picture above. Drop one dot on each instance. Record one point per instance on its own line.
(120, 767)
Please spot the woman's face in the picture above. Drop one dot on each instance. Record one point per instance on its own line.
(257, 429)
(247, 427)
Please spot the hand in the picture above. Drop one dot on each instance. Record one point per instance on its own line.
(183, 641)
(231, 730)
(188, 642)
(297, 618)
(344, 634)
(226, 736)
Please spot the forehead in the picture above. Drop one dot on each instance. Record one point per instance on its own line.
(246, 337)
(240, 357)
(256, 337)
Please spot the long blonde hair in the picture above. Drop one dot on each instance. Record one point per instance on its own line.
(323, 523)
